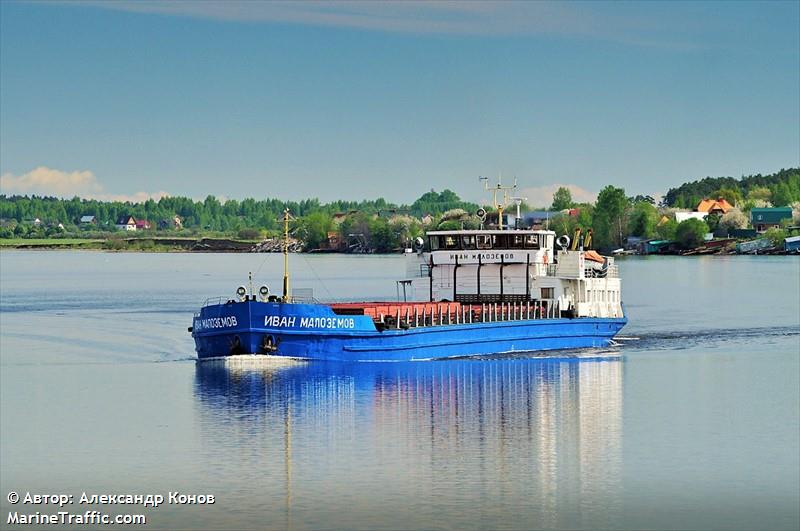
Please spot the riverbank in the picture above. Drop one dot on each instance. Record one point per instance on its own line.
(157, 244)
(228, 245)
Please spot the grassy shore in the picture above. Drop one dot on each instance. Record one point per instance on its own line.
(25, 243)
(139, 244)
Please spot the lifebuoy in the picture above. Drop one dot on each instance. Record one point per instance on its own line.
(545, 259)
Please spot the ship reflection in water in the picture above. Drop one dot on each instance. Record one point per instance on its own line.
(507, 442)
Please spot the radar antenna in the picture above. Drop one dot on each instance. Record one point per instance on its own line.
(506, 200)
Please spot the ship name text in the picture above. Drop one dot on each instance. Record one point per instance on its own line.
(215, 322)
(309, 322)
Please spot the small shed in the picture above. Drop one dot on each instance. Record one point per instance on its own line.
(88, 220)
(654, 246)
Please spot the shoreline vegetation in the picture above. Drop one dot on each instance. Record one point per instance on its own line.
(631, 225)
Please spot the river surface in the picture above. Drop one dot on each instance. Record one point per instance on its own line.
(691, 423)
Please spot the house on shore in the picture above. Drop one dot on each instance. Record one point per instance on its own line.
(143, 224)
(714, 206)
(126, 223)
(766, 218)
(88, 220)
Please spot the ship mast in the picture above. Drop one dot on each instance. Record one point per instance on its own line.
(286, 295)
(506, 200)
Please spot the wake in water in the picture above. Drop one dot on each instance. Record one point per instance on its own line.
(685, 339)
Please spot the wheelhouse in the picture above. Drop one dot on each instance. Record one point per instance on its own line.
(469, 240)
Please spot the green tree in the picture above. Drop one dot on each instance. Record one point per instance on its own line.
(563, 224)
(667, 229)
(731, 194)
(562, 199)
(381, 238)
(313, 229)
(691, 232)
(643, 220)
(776, 236)
(781, 195)
(733, 219)
(760, 193)
(610, 217)
(712, 220)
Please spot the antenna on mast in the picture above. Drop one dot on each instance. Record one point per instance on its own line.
(505, 200)
(286, 292)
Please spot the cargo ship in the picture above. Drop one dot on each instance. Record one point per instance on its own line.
(497, 289)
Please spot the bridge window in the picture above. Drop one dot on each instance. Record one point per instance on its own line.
(451, 242)
(468, 242)
(434, 243)
(532, 241)
(516, 241)
(501, 241)
(484, 241)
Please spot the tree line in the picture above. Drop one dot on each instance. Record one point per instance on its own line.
(779, 189)
(378, 225)
(372, 224)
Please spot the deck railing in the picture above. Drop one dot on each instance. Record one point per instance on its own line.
(426, 315)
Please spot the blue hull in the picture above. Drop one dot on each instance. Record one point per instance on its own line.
(314, 331)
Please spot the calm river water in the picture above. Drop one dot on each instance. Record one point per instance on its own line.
(690, 424)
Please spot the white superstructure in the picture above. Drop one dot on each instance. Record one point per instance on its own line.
(513, 265)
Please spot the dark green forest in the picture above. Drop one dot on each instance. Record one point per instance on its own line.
(779, 189)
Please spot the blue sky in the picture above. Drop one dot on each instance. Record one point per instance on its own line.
(359, 100)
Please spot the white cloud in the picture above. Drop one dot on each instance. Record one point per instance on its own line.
(430, 17)
(51, 182)
(46, 181)
(542, 196)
